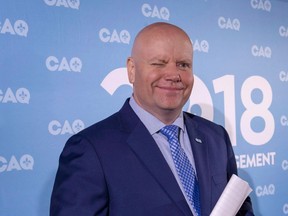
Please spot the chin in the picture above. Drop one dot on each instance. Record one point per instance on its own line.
(171, 107)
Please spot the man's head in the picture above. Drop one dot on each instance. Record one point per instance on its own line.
(160, 69)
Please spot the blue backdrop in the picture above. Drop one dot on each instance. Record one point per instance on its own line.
(62, 68)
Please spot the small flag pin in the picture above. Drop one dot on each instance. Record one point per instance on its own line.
(198, 140)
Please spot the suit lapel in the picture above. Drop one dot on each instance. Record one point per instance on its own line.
(147, 151)
(201, 158)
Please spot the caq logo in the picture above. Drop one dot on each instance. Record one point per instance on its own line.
(55, 127)
(285, 165)
(261, 5)
(285, 208)
(26, 162)
(22, 95)
(74, 4)
(265, 190)
(153, 11)
(201, 46)
(54, 64)
(283, 31)
(106, 36)
(284, 120)
(260, 51)
(20, 28)
(228, 23)
(283, 76)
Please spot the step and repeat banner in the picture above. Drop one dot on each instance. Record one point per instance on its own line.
(62, 68)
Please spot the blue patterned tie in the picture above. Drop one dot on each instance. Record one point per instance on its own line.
(183, 166)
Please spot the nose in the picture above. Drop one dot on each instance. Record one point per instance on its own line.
(171, 73)
(173, 77)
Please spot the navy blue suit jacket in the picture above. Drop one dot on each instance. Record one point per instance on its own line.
(114, 167)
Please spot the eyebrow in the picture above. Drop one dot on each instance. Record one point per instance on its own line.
(164, 59)
(184, 60)
(158, 59)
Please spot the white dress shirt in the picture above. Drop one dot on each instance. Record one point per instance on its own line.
(154, 125)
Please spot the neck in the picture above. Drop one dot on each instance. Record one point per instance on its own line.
(167, 116)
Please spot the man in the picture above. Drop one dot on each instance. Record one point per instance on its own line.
(125, 165)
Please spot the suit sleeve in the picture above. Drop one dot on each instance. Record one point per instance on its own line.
(79, 187)
(246, 209)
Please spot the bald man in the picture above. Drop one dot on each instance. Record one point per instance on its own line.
(125, 165)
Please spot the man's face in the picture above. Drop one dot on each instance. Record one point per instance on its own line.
(161, 72)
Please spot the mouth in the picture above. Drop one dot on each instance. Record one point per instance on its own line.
(174, 86)
(170, 91)
(171, 88)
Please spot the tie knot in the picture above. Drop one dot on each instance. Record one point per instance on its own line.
(170, 131)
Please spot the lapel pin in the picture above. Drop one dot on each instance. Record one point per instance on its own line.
(198, 140)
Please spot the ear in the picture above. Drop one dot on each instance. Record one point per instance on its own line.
(131, 69)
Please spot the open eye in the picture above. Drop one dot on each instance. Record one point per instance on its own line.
(183, 65)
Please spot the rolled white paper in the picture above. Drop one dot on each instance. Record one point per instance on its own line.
(232, 198)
